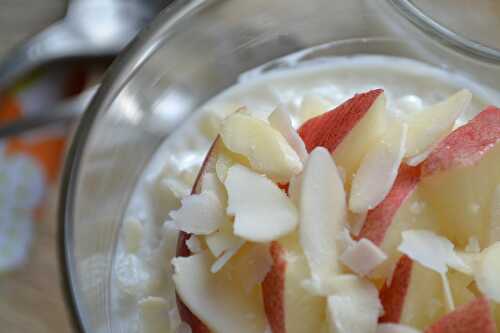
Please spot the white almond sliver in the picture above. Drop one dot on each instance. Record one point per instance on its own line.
(322, 214)
(194, 244)
(487, 272)
(395, 328)
(427, 127)
(225, 257)
(266, 149)
(222, 240)
(363, 257)
(378, 170)
(280, 121)
(200, 214)
(354, 308)
(430, 250)
(153, 313)
(211, 183)
(495, 216)
(262, 211)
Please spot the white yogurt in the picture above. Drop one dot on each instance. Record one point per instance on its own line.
(143, 298)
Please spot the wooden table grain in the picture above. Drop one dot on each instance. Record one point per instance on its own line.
(31, 299)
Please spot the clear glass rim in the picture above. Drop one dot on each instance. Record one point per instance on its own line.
(123, 69)
(444, 35)
(120, 72)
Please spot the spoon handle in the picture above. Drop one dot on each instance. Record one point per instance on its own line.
(64, 112)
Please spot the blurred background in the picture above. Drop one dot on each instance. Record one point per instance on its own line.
(31, 84)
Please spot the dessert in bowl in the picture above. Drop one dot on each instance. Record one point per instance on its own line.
(355, 120)
(336, 196)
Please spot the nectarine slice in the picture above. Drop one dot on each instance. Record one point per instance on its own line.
(473, 317)
(289, 307)
(460, 176)
(349, 130)
(414, 295)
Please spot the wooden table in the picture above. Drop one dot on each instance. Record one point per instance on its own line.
(31, 299)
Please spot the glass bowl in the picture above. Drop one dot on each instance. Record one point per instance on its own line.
(194, 50)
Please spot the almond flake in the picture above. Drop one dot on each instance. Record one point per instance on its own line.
(280, 121)
(210, 183)
(430, 250)
(222, 240)
(266, 149)
(363, 257)
(194, 244)
(378, 170)
(225, 257)
(427, 127)
(262, 211)
(199, 214)
(322, 214)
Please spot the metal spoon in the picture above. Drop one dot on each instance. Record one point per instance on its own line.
(65, 111)
(91, 28)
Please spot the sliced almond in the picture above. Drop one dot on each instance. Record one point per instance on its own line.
(199, 214)
(322, 214)
(225, 257)
(363, 257)
(194, 244)
(427, 127)
(430, 250)
(280, 121)
(266, 149)
(210, 183)
(222, 240)
(262, 211)
(378, 170)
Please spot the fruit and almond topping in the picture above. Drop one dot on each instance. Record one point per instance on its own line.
(378, 170)
(323, 213)
(360, 221)
(280, 121)
(262, 212)
(427, 127)
(266, 148)
(363, 257)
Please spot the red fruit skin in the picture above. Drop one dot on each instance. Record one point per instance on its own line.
(474, 317)
(379, 219)
(329, 129)
(393, 296)
(186, 315)
(467, 144)
(273, 288)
